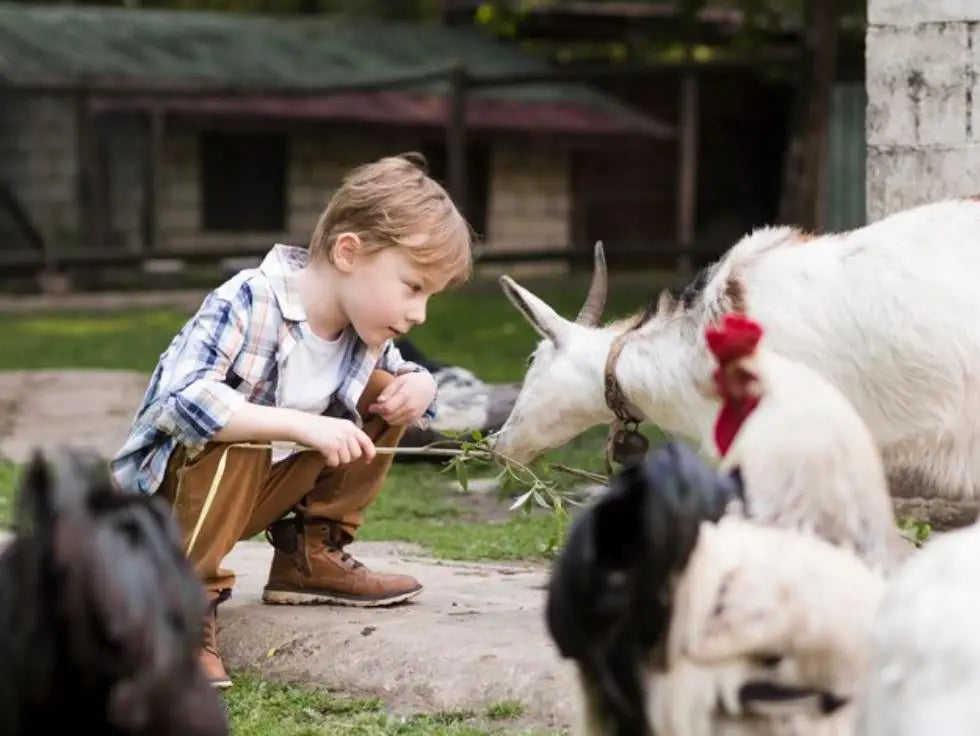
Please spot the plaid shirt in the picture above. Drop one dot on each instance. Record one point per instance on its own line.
(231, 351)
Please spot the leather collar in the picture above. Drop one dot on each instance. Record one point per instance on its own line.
(624, 441)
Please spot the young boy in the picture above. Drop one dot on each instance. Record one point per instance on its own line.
(300, 350)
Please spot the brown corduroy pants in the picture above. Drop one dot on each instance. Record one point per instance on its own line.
(253, 493)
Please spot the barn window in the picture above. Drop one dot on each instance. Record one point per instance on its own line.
(243, 181)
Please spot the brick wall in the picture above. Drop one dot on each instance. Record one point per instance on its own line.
(38, 159)
(923, 119)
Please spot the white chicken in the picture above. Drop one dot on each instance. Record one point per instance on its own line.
(806, 459)
(684, 620)
(925, 659)
(769, 636)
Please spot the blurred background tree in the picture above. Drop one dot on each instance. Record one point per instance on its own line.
(813, 29)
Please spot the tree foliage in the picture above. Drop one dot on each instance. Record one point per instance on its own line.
(420, 10)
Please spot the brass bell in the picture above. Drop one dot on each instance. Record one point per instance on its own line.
(629, 446)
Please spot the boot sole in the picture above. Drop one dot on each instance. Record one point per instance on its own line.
(306, 598)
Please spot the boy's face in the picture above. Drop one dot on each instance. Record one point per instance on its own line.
(384, 294)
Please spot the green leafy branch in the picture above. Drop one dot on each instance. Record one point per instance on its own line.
(536, 486)
(464, 450)
(915, 531)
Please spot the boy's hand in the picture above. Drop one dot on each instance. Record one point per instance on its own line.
(406, 398)
(340, 441)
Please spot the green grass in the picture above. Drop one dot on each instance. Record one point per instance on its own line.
(261, 708)
(505, 709)
(476, 327)
(8, 480)
(131, 340)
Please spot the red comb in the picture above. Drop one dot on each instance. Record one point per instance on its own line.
(736, 338)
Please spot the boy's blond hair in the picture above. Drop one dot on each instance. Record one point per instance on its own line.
(393, 202)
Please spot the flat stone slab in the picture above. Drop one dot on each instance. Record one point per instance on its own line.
(78, 407)
(474, 636)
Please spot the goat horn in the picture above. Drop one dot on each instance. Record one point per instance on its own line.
(595, 302)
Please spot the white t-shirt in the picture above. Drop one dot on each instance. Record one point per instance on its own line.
(310, 375)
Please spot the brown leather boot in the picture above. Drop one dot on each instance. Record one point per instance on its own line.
(310, 566)
(214, 668)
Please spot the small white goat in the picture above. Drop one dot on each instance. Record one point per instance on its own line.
(887, 313)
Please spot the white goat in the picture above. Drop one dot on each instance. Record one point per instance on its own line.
(887, 313)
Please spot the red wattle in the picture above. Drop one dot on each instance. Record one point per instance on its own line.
(730, 420)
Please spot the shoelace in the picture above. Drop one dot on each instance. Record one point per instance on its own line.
(347, 557)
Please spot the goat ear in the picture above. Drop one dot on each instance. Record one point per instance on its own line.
(543, 318)
(666, 303)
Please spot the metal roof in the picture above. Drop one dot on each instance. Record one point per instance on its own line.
(236, 54)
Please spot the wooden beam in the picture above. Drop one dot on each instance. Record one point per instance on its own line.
(687, 189)
(10, 202)
(456, 136)
(90, 223)
(126, 88)
(30, 261)
(152, 162)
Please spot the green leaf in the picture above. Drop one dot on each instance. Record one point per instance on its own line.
(521, 500)
(462, 478)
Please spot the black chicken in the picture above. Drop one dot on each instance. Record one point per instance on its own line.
(101, 615)
(684, 617)
(609, 597)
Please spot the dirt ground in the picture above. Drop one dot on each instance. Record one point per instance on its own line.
(474, 636)
(77, 407)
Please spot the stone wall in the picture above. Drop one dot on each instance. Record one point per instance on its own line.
(923, 117)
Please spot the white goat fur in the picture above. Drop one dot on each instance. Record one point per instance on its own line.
(925, 658)
(749, 592)
(887, 313)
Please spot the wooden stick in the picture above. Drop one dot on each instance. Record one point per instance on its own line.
(425, 450)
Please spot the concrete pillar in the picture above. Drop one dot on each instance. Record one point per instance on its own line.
(923, 115)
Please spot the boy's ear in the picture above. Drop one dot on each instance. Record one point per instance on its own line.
(345, 250)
